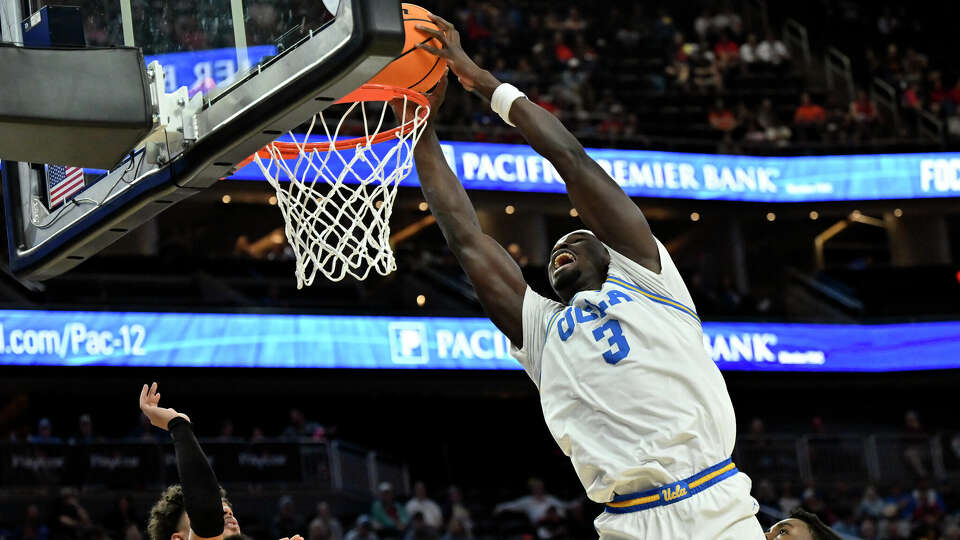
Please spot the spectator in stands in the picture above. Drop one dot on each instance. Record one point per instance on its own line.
(891, 68)
(809, 118)
(893, 530)
(863, 115)
(143, 431)
(914, 64)
(721, 118)
(454, 509)
(772, 53)
(287, 518)
(868, 530)
(703, 25)
(535, 505)
(121, 518)
(912, 99)
(85, 431)
(916, 448)
(766, 115)
(847, 524)
(362, 530)
(887, 23)
(389, 518)
(419, 530)
(837, 126)
(300, 428)
(226, 432)
(748, 53)
(925, 502)
(73, 520)
(728, 21)
(727, 52)
(574, 21)
(420, 503)
(953, 125)
(44, 433)
(704, 71)
(457, 531)
(33, 527)
(552, 525)
(815, 503)
(871, 505)
(678, 69)
(788, 499)
(326, 521)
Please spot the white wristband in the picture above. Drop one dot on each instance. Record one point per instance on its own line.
(503, 98)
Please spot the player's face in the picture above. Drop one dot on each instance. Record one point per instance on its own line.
(789, 529)
(230, 524)
(578, 262)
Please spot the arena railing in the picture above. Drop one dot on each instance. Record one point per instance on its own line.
(839, 72)
(795, 37)
(133, 464)
(883, 459)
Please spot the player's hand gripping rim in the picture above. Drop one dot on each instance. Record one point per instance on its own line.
(150, 405)
(460, 63)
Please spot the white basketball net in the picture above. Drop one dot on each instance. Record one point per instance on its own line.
(337, 203)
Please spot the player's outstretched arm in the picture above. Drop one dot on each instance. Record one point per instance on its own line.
(601, 203)
(495, 276)
(201, 493)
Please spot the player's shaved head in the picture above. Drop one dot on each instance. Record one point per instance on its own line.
(578, 262)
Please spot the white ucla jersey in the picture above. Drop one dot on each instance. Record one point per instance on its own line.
(627, 388)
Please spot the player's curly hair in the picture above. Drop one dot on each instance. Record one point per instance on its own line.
(167, 513)
(818, 529)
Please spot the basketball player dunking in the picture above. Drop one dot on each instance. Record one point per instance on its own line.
(626, 387)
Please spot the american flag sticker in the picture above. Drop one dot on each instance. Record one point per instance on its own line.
(62, 183)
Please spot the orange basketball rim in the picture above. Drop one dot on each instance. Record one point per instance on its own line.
(365, 94)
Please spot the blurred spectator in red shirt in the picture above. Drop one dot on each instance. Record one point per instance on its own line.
(938, 94)
(809, 118)
(912, 98)
(863, 113)
(809, 112)
(561, 51)
(727, 51)
(721, 118)
(954, 93)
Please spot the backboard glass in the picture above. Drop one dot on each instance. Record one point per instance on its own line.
(228, 76)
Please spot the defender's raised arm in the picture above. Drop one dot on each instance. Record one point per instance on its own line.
(201, 493)
(602, 205)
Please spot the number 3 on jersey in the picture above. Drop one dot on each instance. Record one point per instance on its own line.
(619, 348)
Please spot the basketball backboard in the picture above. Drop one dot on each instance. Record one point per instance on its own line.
(226, 77)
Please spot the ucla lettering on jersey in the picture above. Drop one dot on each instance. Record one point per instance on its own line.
(605, 329)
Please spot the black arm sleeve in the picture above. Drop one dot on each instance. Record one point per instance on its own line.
(201, 493)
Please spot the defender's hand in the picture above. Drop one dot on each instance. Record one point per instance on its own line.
(149, 404)
(462, 65)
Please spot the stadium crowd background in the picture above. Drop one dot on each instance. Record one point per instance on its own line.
(921, 508)
(696, 76)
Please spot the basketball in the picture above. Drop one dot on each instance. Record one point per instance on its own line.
(415, 69)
